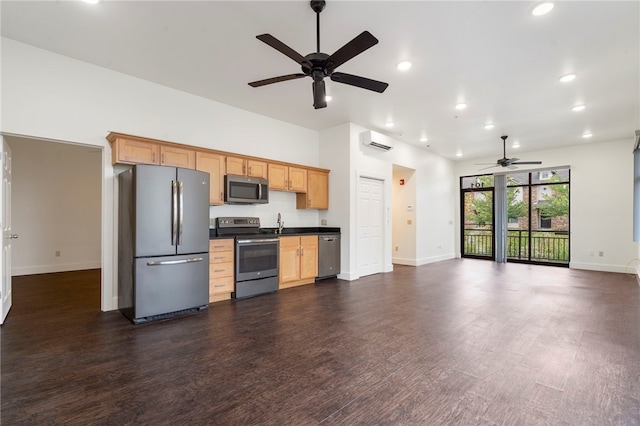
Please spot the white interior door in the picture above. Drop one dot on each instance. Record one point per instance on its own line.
(8, 237)
(370, 226)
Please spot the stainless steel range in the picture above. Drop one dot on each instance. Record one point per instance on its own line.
(256, 256)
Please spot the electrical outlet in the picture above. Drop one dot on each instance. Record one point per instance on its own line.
(601, 253)
(323, 222)
(57, 253)
(408, 221)
(396, 248)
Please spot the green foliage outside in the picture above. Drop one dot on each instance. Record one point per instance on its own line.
(482, 207)
(556, 204)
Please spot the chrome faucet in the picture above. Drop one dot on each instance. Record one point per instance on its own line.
(280, 224)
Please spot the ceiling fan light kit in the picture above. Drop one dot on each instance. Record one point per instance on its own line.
(318, 65)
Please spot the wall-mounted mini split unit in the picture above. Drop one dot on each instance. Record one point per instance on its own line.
(374, 140)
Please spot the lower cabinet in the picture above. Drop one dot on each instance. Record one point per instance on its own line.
(298, 260)
(221, 268)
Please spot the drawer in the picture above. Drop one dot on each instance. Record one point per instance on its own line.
(221, 245)
(221, 257)
(221, 285)
(218, 270)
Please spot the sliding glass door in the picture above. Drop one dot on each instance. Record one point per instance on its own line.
(537, 217)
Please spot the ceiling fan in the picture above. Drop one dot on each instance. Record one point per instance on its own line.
(319, 65)
(507, 162)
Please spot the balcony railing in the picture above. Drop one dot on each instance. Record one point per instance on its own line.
(546, 246)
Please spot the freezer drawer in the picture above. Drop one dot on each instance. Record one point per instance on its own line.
(169, 284)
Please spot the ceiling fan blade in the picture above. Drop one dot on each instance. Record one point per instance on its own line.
(354, 80)
(276, 79)
(528, 162)
(485, 164)
(281, 47)
(319, 94)
(511, 167)
(355, 47)
(490, 167)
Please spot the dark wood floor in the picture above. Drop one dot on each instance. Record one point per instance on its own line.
(456, 342)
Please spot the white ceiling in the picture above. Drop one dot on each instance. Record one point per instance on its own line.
(495, 56)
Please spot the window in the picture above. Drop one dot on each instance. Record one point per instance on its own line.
(545, 222)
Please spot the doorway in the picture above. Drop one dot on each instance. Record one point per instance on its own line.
(57, 206)
(476, 203)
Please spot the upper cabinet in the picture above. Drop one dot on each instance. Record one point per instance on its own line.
(214, 165)
(311, 185)
(177, 157)
(317, 195)
(133, 151)
(246, 167)
(287, 178)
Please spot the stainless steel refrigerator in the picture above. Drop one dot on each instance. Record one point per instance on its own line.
(163, 242)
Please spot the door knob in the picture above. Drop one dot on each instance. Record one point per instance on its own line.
(13, 237)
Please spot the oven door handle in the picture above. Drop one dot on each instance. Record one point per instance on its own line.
(258, 240)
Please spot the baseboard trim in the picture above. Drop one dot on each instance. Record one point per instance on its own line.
(47, 269)
(434, 259)
(599, 267)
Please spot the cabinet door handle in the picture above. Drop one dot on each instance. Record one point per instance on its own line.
(219, 257)
(301, 251)
(153, 157)
(219, 270)
(162, 158)
(220, 195)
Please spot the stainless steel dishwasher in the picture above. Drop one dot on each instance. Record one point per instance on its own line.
(328, 255)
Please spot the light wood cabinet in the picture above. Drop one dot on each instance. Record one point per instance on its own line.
(287, 178)
(221, 269)
(298, 260)
(317, 194)
(311, 185)
(132, 151)
(214, 165)
(246, 167)
(177, 157)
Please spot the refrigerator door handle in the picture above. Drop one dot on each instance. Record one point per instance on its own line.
(180, 211)
(175, 262)
(174, 213)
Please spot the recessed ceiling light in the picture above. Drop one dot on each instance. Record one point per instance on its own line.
(459, 154)
(489, 126)
(91, 1)
(567, 78)
(424, 139)
(328, 98)
(587, 135)
(461, 106)
(389, 124)
(515, 145)
(578, 108)
(403, 65)
(542, 9)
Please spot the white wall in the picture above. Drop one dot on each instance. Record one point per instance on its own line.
(435, 195)
(601, 200)
(56, 195)
(45, 95)
(404, 211)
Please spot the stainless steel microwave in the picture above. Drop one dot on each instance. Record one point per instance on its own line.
(245, 190)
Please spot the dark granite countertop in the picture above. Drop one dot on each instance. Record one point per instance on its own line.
(293, 231)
